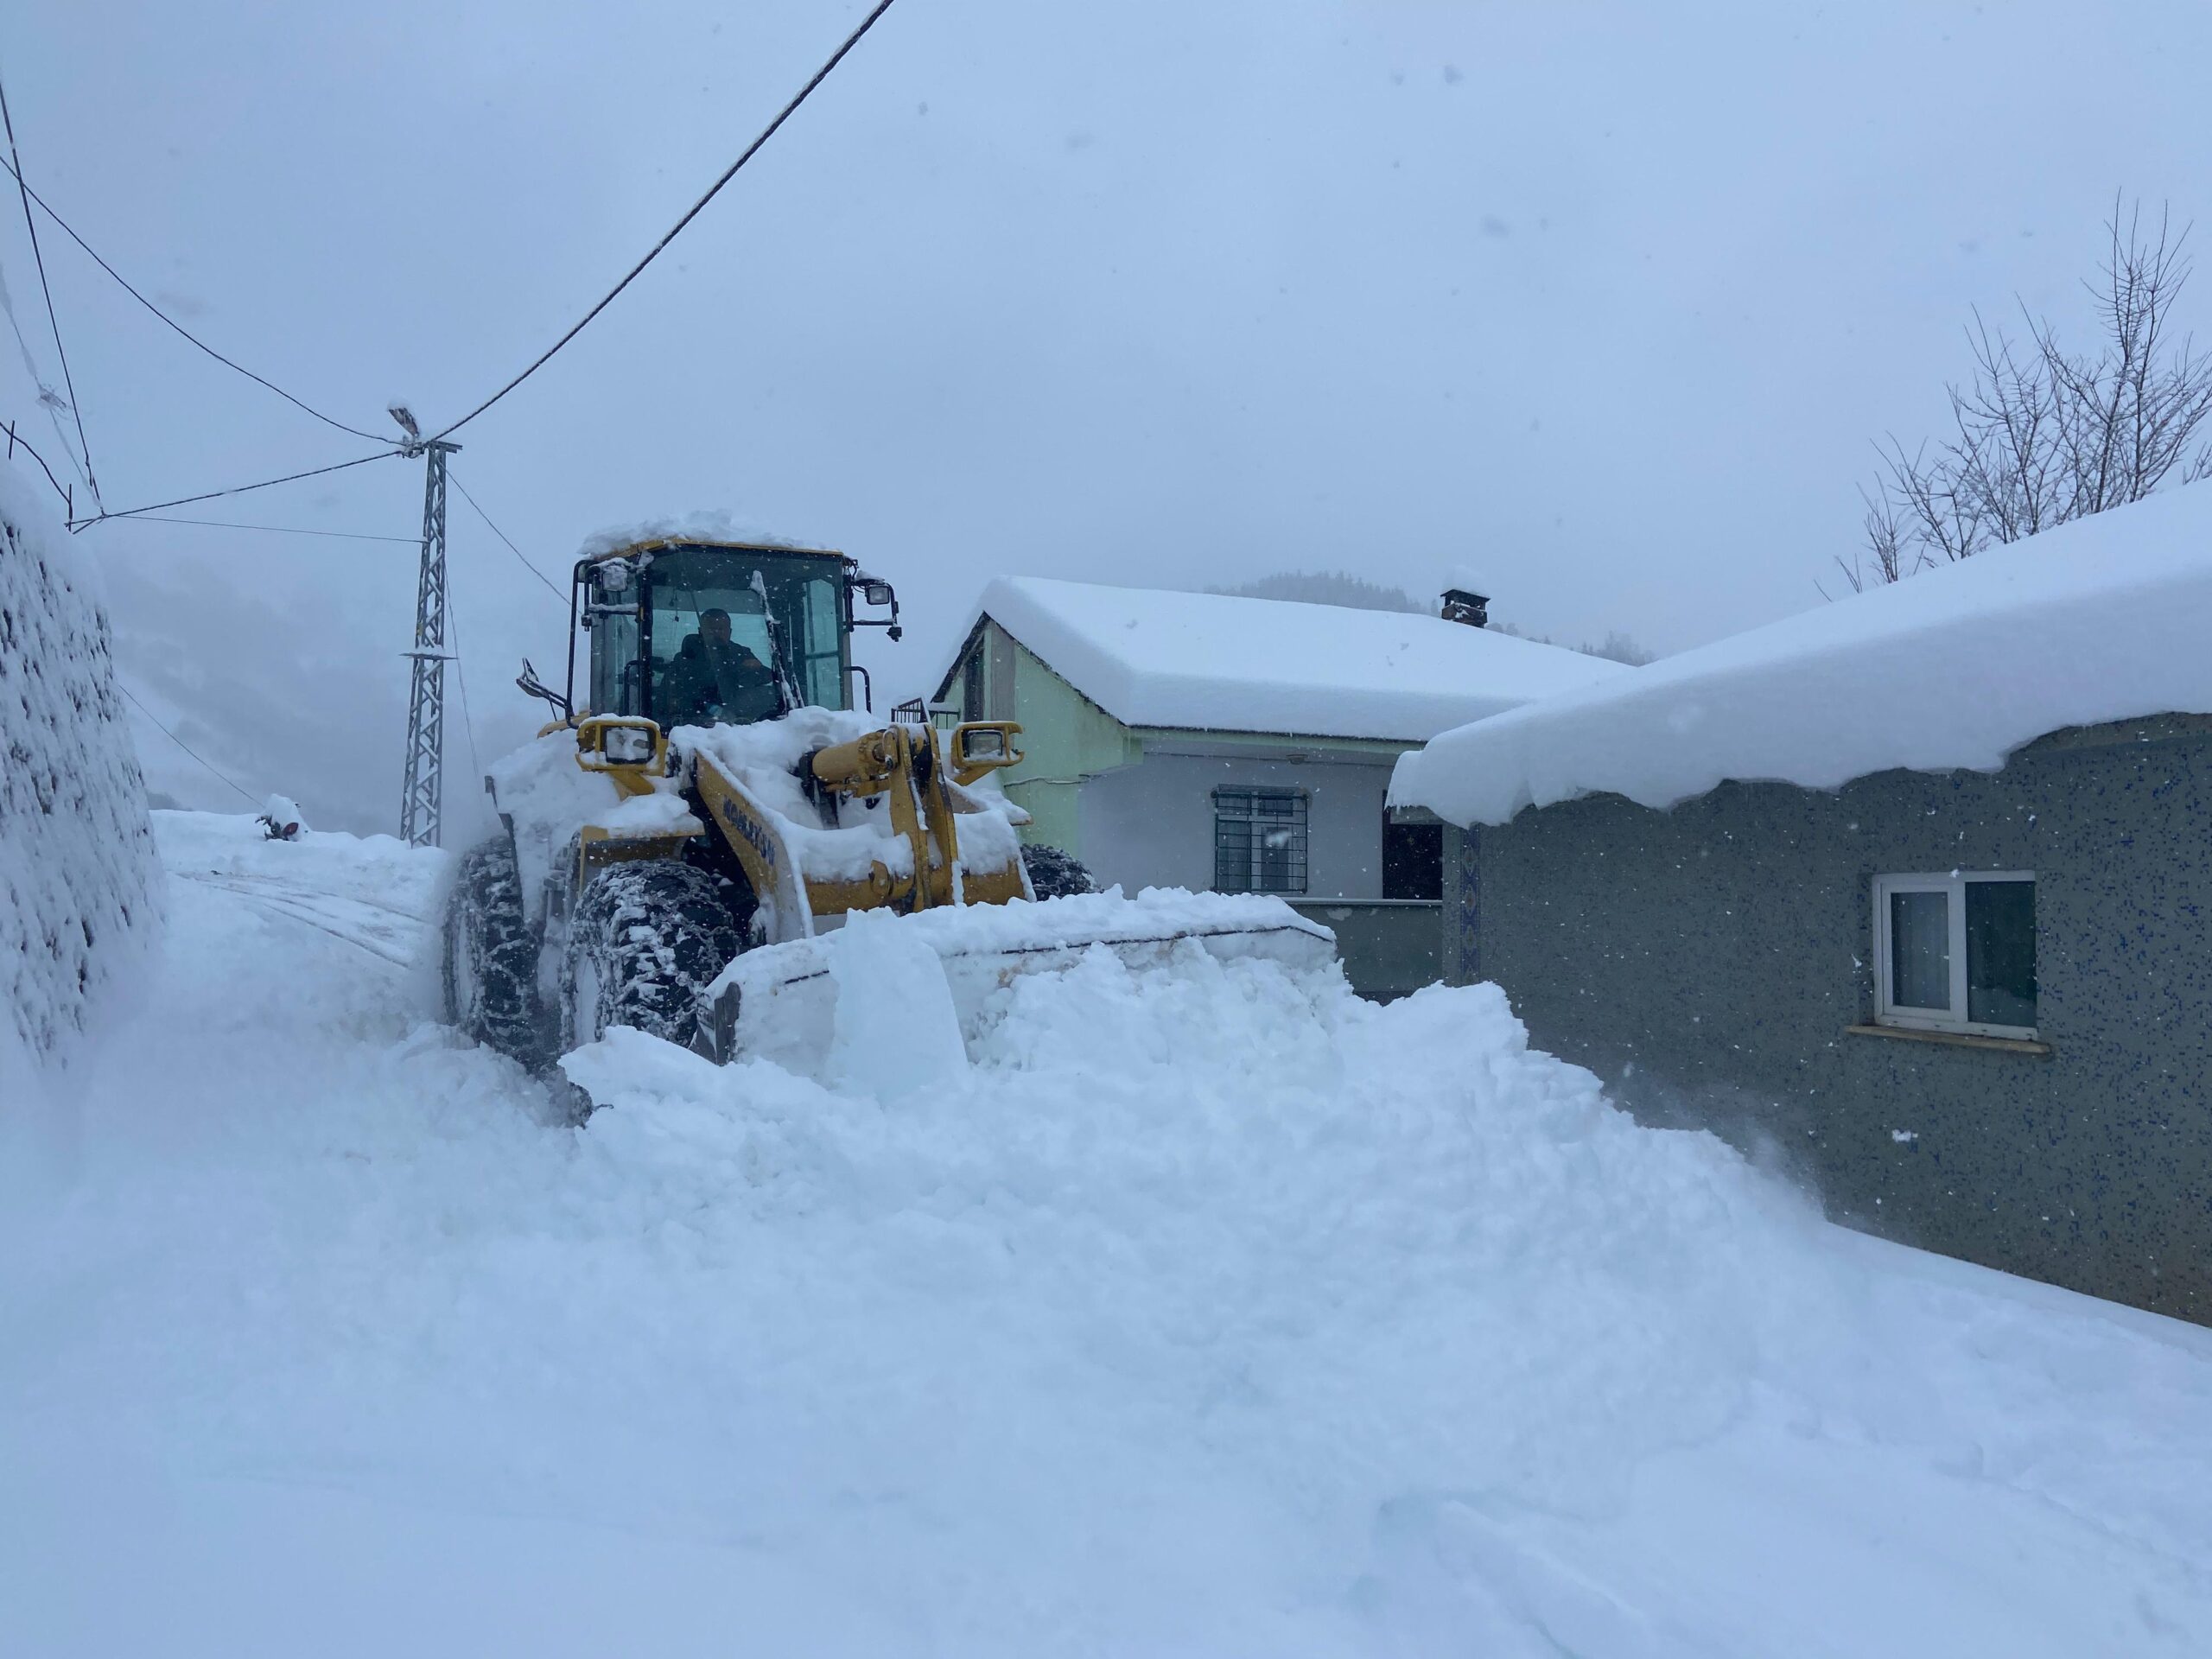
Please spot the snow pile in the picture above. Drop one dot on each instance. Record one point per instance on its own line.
(1215, 662)
(896, 1032)
(793, 1002)
(1206, 1311)
(79, 878)
(2105, 619)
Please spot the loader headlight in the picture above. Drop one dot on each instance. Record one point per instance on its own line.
(627, 745)
(981, 746)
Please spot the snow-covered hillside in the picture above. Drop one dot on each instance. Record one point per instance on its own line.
(79, 879)
(1217, 1313)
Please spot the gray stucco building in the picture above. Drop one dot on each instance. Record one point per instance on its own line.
(1971, 1006)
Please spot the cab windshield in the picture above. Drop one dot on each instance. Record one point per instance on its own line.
(736, 635)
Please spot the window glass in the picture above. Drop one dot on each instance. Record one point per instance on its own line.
(614, 669)
(2001, 952)
(971, 685)
(1413, 860)
(1258, 840)
(738, 633)
(822, 676)
(1920, 949)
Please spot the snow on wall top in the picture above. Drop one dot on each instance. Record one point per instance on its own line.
(2109, 618)
(79, 879)
(1214, 663)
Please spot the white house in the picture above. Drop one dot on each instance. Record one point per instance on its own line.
(1243, 745)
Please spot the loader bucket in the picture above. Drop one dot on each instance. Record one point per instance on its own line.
(779, 1002)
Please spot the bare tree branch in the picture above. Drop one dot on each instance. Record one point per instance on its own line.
(2041, 436)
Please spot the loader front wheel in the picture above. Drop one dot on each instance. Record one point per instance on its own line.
(646, 940)
(490, 958)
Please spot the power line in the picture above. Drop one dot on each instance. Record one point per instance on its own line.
(281, 529)
(84, 445)
(179, 741)
(766, 133)
(17, 441)
(48, 399)
(373, 437)
(502, 535)
(467, 721)
(228, 363)
(236, 489)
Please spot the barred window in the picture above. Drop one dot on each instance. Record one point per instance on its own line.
(1258, 840)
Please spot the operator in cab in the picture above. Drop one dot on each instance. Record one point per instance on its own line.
(713, 678)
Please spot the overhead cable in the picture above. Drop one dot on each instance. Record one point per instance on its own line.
(17, 441)
(179, 741)
(550, 587)
(46, 208)
(48, 399)
(730, 173)
(281, 529)
(236, 489)
(16, 167)
(467, 719)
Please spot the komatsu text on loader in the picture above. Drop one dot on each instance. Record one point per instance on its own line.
(708, 805)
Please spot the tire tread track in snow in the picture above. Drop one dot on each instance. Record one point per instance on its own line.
(330, 914)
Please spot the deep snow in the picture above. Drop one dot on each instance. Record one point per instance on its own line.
(1214, 1313)
(2105, 619)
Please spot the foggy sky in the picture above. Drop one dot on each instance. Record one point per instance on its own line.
(1599, 304)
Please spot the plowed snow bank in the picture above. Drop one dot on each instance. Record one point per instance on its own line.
(1209, 1312)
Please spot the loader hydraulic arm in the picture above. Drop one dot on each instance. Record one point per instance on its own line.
(905, 762)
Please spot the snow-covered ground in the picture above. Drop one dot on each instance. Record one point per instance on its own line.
(1212, 1312)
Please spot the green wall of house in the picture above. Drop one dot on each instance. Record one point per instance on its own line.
(1065, 737)
(1389, 947)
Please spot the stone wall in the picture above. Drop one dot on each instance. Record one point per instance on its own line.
(80, 883)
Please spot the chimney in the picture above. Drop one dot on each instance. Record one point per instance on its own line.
(1460, 605)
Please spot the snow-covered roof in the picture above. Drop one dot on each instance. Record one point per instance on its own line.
(2109, 618)
(1209, 661)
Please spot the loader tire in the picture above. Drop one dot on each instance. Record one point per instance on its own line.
(490, 958)
(646, 941)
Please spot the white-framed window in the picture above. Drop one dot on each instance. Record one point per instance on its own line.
(1258, 840)
(1956, 952)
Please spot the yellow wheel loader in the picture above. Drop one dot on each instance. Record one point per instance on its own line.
(708, 805)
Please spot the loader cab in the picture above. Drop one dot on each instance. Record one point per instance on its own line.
(690, 633)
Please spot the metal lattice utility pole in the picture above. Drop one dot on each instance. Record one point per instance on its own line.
(424, 794)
